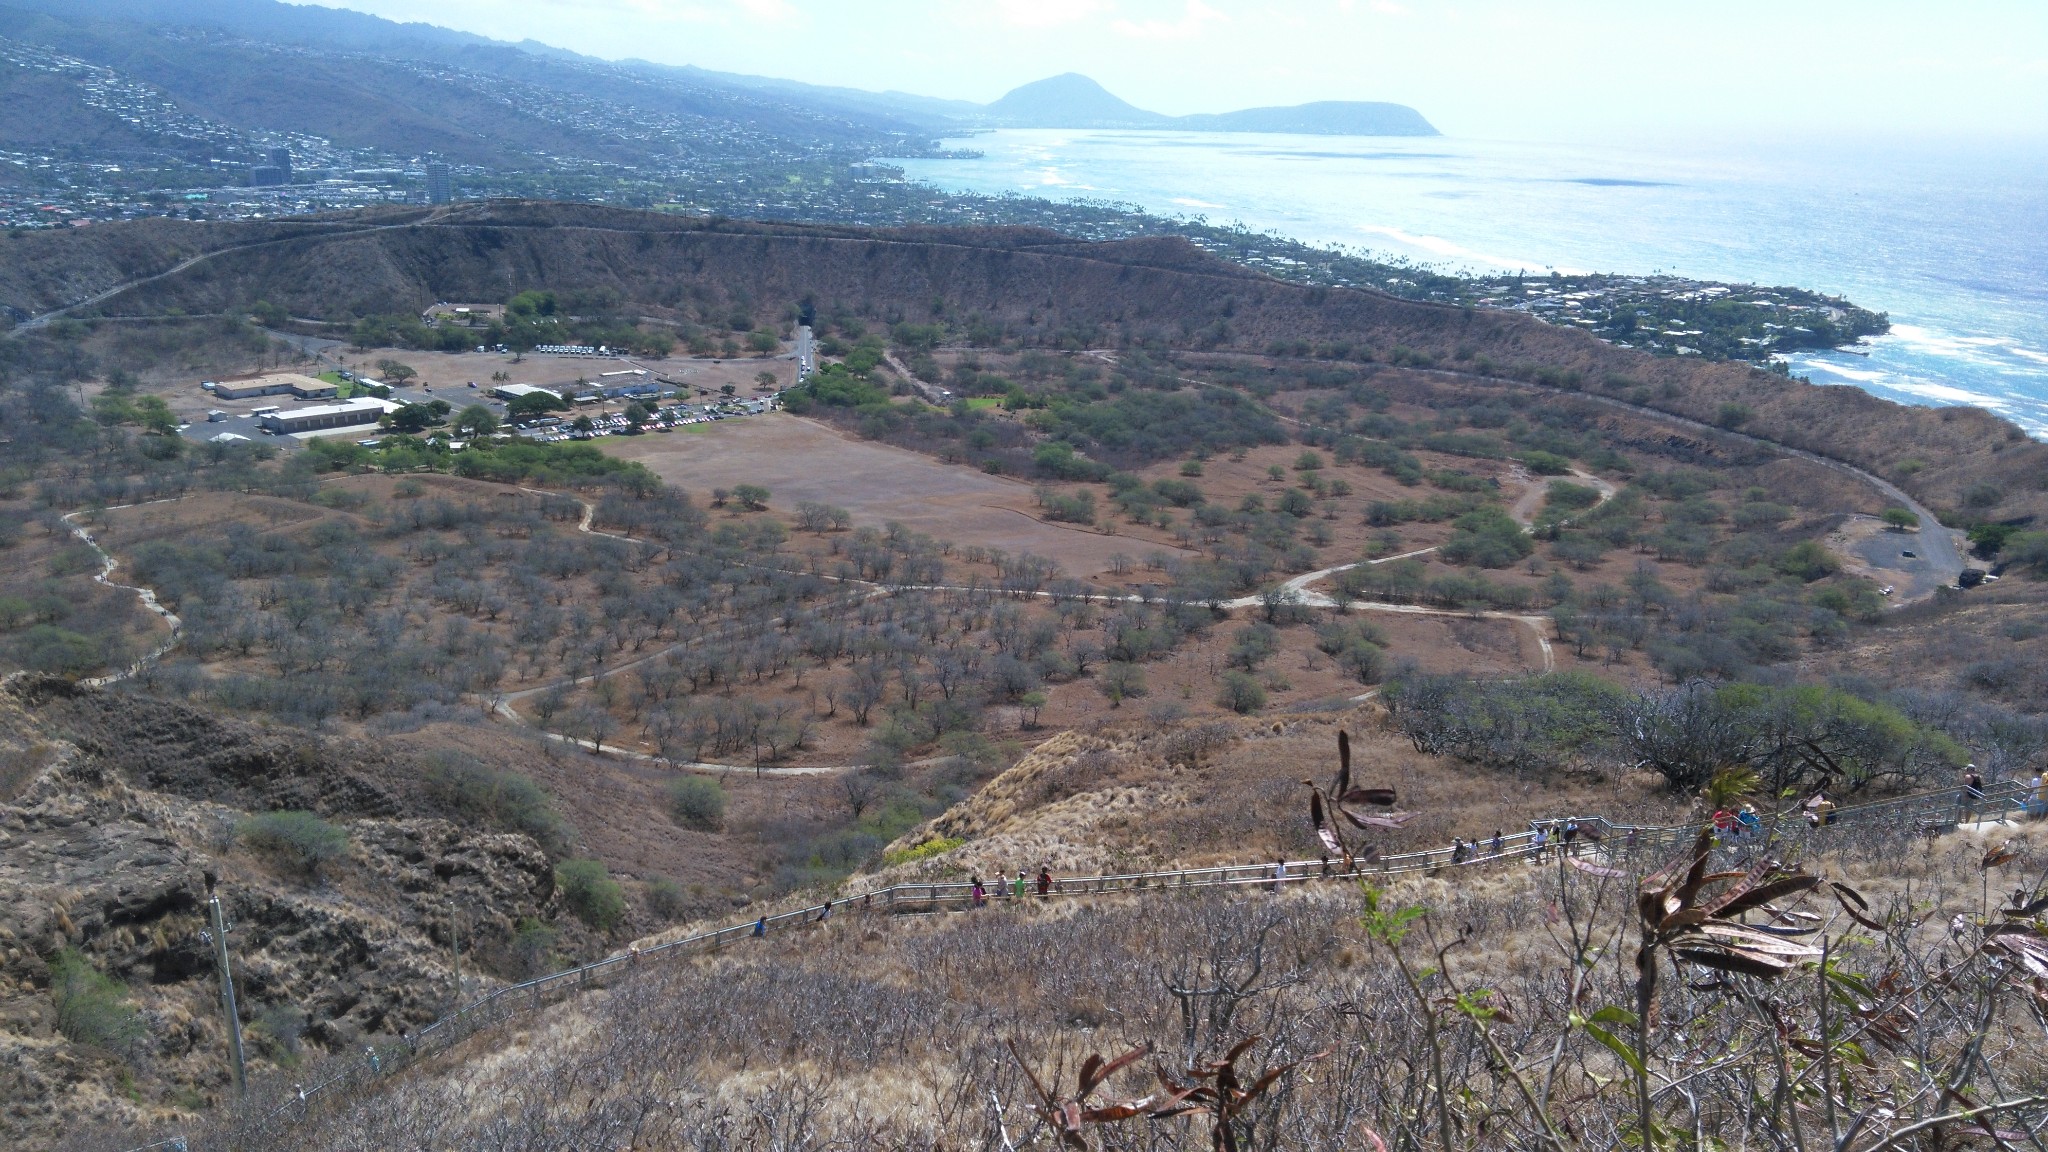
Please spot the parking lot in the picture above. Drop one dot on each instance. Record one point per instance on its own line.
(606, 417)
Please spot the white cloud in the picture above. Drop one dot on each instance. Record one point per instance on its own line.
(1046, 13)
(1194, 19)
(772, 11)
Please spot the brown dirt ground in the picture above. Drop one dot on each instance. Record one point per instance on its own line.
(799, 459)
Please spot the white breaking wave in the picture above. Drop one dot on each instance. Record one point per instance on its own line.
(1438, 246)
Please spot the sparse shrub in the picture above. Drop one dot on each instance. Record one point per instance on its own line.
(533, 948)
(1241, 693)
(2029, 548)
(1983, 496)
(1547, 464)
(1487, 538)
(1760, 514)
(938, 846)
(1357, 647)
(1119, 681)
(296, 839)
(1571, 496)
(1078, 508)
(666, 898)
(1254, 644)
(1809, 561)
(1166, 712)
(590, 893)
(92, 1007)
(1900, 518)
(276, 1031)
(697, 802)
(505, 799)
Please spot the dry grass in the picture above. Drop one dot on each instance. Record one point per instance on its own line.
(888, 1032)
(1127, 797)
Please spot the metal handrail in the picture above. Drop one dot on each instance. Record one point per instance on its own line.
(530, 994)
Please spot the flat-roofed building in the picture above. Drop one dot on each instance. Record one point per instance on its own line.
(511, 392)
(276, 384)
(347, 414)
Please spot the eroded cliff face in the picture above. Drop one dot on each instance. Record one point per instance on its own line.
(113, 811)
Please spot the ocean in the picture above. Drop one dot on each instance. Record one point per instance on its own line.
(1949, 238)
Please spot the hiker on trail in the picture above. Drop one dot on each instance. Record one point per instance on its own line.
(1496, 845)
(761, 927)
(1044, 880)
(1538, 841)
(1571, 836)
(1279, 874)
(1973, 791)
(980, 893)
(1461, 851)
(1020, 884)
(1752, 825)
(2037, 797)
(825, 913)
(1820, 811)
(1724, 824)
(1326, 865)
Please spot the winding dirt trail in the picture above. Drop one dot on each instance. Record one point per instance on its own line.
(147, 595)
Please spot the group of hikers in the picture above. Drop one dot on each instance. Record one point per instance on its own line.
(1734, 827)
(981, 893)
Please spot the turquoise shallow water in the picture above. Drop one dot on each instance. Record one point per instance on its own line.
(1949, 238)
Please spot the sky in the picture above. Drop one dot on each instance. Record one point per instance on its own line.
(1522, 69)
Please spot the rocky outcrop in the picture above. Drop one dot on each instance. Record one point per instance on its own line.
(105, 854)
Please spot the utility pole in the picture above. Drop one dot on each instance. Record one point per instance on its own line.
(227, 985)
(455, 945)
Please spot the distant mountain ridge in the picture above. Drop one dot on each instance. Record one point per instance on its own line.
(1072, 100)
(1069, 100)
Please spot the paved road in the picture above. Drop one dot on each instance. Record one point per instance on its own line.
(806, 357)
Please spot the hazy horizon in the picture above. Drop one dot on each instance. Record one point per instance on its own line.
(1578, 68)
